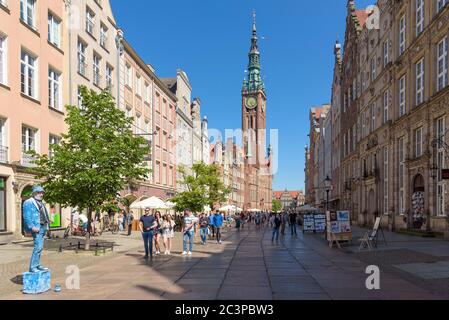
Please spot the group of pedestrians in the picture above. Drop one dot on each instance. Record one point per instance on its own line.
(280, 221)
(153, 228)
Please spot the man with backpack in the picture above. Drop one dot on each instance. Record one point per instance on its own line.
(276, 223)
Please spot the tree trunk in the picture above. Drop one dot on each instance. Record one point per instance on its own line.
(89, 229)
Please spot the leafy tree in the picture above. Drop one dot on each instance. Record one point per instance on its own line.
(203, 187)
(96, 158)
(277, 205)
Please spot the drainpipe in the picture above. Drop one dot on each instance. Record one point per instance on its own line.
(120, 49)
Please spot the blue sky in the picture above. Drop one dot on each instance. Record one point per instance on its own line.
(210, 40)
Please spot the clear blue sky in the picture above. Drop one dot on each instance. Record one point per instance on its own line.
(210, 40)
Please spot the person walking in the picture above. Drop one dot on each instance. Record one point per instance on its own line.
(276, 223)
(36, 221)
(130, 219)
(218, 223)
(168, 232)
(211, 224)
(158, 231)
(188, 232)
(120, 219)
(147, 225)
(283, 222)
(204, 227)
(125, 219)
(293, 222)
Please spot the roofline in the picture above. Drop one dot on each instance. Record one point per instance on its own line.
(147, 69)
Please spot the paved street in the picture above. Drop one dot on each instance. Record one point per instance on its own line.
(248, 266)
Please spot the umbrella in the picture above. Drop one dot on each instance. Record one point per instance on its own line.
(228, 208)
(169, 204)
(308, 208)
(151, 203)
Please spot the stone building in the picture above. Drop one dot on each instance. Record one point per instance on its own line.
(393, 96)
(290, 200)
(32, 81)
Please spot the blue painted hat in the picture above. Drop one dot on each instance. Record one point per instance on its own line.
(37, 189)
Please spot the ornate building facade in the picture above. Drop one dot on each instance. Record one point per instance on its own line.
(391, 93)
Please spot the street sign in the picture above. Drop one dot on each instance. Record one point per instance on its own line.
(445, 174)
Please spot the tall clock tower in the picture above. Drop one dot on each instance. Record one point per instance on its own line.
(257, 161)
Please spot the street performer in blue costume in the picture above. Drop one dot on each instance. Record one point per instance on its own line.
(36, 221)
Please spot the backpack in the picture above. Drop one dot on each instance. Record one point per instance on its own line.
(277, 222)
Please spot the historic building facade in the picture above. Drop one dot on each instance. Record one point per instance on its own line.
(180, 86)
(32, 81)
(258, 158)
(290, 200)
(392, 89)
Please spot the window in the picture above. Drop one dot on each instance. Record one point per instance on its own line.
(420, 82)
(373, 117)
(402, 96)
(373, 68)
(28, 139)
(82, 65)
(52, 140)
(146, 92)
(96, 69)
(80, 98)
(386, 180)
(103, 35)
(386, 103)
(401, 149)
(90, 21)
(170, 176)
(441, 164)
(139, 129)
(109, 82)
(28, 71)
(441, 4)
(442, 61)
(386, 50)
(3, 60)
(402, 26)
(28, 12)
(3, 142)
(157, 177)
(54, 89)
(418, 142)
(2, 204)
(164, 174)
(128, 76)
(419, 16)
(138, 85)
(54, 30)
(354, 137)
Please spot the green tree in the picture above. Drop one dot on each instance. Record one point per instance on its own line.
(96, 158)
(277, 205)
(203, 187)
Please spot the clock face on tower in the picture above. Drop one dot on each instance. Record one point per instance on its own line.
(251, 102)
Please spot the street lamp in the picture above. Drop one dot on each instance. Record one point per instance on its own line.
(434, 171)
(327, 187)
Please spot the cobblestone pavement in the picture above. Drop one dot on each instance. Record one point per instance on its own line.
(249, 266)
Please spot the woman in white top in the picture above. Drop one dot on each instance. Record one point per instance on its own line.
(168, 232)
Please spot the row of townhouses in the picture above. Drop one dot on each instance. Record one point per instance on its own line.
(380, 148)
(48, 49)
